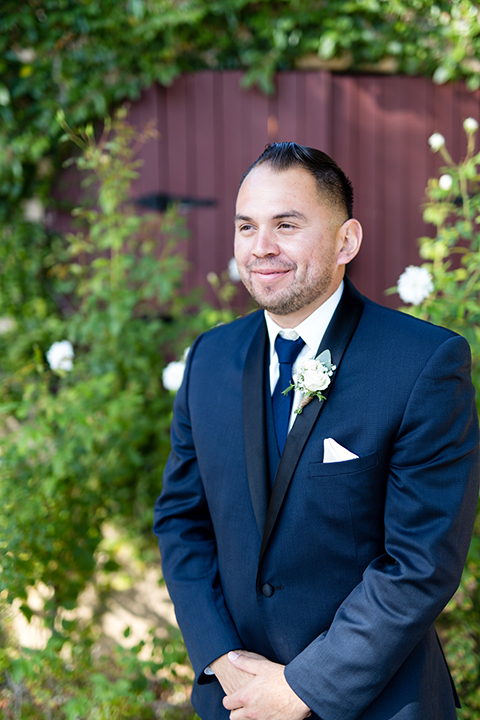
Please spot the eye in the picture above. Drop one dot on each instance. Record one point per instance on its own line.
(286, 226)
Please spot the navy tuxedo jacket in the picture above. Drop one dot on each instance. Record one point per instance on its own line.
(340, 571)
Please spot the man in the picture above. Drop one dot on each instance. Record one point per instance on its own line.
(307, 569)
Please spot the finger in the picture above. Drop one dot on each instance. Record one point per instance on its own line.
(231, 702)
(236, 714)
(247, 664)
(250, 654)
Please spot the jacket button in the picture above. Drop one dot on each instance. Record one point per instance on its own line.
(267, 590)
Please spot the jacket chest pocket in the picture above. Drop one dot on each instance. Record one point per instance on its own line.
(355, 487)
(350, 498)
(344, 468)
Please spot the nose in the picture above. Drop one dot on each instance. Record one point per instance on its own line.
(265, 243)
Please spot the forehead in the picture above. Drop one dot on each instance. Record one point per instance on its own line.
(268, 191)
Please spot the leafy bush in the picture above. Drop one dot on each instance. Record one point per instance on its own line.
(42, 684)
(447, 292)
(84, 420)
(87, 444)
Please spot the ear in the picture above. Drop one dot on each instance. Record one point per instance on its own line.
(349, 239)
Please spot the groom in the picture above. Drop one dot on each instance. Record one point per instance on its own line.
(308, 554)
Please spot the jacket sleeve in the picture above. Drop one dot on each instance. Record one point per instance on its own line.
(432, 492)
(187, 545)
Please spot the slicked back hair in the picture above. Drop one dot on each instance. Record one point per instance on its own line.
(331, 181)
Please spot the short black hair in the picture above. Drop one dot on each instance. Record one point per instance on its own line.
(331, 180)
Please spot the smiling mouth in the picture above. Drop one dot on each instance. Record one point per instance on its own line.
(270, 271)
(269, 275)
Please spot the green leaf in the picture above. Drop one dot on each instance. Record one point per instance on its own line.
(26, 611)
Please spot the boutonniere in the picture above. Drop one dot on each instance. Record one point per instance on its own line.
(311, 378)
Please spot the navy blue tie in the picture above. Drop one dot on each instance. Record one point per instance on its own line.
(287, 352)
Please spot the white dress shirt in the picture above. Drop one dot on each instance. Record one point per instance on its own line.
(311, 330)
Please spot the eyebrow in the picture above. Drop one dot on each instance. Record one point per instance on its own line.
(279, 216)
(243, 218)
(290, 213)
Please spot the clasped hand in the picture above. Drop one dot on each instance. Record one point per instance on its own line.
(256, 688)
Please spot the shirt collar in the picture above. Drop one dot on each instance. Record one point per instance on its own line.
(312, 329)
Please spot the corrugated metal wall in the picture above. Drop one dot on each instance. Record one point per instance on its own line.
(375, 127)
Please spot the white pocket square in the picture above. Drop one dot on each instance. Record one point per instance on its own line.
(334, 452)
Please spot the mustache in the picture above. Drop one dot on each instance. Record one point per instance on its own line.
(270, 264)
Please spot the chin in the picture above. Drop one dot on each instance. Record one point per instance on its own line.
(268, 302)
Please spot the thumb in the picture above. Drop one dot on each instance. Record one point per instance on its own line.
(242, 662)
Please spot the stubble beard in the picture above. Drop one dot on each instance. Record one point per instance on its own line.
(289, 300)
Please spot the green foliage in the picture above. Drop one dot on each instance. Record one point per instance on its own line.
(66, 681)
(88, 444)
(452, 258)
(84, 443)
(453, 255)
(111, 49)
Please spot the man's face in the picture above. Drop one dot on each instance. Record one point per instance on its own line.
(286, 243)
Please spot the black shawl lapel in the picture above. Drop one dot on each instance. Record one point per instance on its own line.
(254, 424)
(336, 339)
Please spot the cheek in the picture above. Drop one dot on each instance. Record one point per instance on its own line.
(322, 257)
(242, 249)
(238, 251)
(309, 262)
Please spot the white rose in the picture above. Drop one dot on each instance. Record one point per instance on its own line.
(33, 210)
(60, 355)
(436, 141)
(414, 285)
(172, 375)
(470, 125)
(6, 325)
(315, 380)
(445, 182)
(4, 96)
(310, 364)
(233, 270)
(25, 55)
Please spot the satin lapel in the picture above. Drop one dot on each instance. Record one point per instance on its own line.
(336, 339)
(254, 424)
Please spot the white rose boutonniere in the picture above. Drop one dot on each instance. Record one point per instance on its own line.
(311, 378)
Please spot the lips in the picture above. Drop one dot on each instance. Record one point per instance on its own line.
(269, 275)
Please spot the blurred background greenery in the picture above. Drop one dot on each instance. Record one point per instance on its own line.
(85, 436)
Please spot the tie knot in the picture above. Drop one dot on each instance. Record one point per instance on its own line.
(288, 350)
